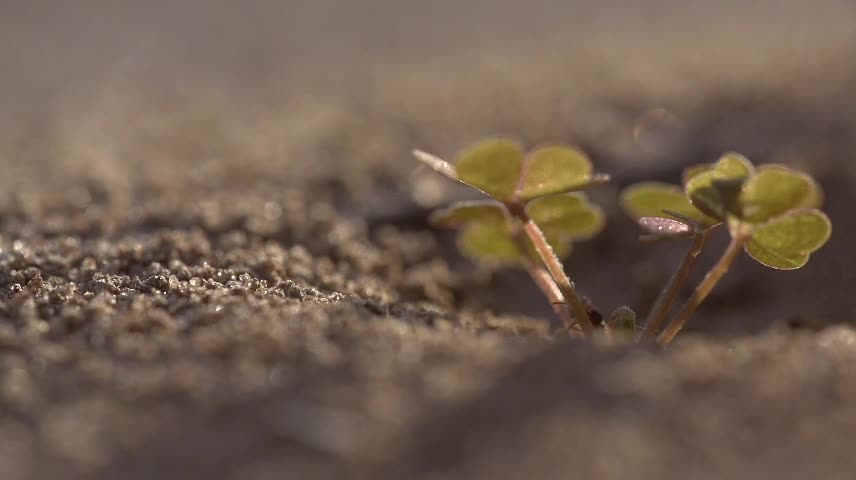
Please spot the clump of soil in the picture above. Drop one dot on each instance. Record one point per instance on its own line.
(116, 333)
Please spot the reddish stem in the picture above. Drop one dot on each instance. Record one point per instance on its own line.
(657, 316)
(703, 289)
(554, 266)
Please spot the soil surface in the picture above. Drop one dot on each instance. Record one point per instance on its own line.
(214, 259)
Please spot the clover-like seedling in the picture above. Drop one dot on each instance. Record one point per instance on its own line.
(536, 210)
(664, 211)
(771, 212)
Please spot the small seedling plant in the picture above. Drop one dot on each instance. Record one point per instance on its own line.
(536, 208)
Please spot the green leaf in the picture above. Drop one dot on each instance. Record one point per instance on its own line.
(787, 241)
(815, 198)
(567, 215)
(487, 230)
(775, 260)
(649, 199)
(798, 231)
(713, 191)
(734, 165)
(704, 197)
(555, 169)
(694, 170)
(775, 190)
(493, 166)
(729, 191)
(489, 242)
(462, 213)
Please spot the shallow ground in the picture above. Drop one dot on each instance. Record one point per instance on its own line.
(214, 261)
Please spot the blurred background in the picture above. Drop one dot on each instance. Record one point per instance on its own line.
(352, 86)
(201, 105)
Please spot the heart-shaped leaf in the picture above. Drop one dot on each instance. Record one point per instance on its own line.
(734, 165)
(567, 215)
(489, 243)
(461, 213)
(779, 261)
(493, 243)
(649, 199)
(775, 190)
(555, 169)
(787, 241)
(708, 190)
(492, 166)
(487, 230)
(704, 197)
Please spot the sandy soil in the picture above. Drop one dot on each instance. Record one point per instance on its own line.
(214, 261)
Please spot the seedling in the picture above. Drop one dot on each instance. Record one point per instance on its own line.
(620, 327)
(771, 212)
(649, 203)
(536, 209)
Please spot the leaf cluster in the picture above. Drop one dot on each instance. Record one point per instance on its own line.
(773, 206)
(545, 183)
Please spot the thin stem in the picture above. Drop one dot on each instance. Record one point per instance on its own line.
(703, 289)
(554, 266)
(657, 315)
(548, 286)
(545, 282)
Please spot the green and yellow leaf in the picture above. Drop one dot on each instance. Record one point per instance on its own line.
(462, 213)
(489, 243)
(779, 261)
(555, 169)
(787, 241)
(492, 166)
(650, 199)
(494, 243)
(709, 190)
(775, 190)
(734, 165)
(568, 216)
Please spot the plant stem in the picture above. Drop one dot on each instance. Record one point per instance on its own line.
(554, 266)
(703, 289)
(658, 312)
(547, 285)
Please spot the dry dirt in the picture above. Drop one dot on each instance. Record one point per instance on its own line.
(214, 261)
